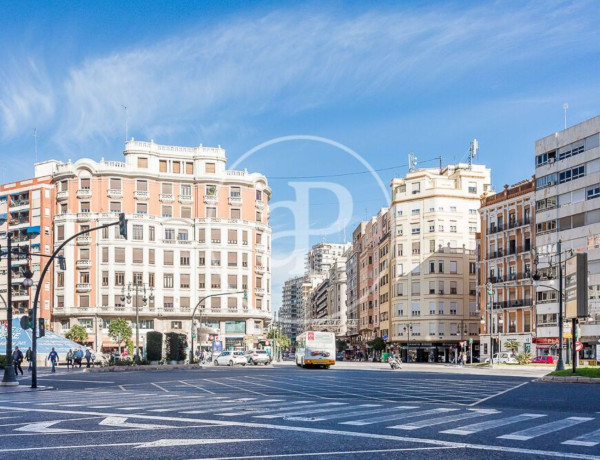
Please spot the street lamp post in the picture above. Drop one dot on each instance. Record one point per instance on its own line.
(9, 378)
(490, 293)
(408, 329)
(137, 287)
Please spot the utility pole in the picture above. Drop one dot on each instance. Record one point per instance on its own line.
(9, 378)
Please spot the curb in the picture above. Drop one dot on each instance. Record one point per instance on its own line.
(576, 379)
(21, 389)
(134, 368)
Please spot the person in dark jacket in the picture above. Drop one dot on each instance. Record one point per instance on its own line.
(17, 360)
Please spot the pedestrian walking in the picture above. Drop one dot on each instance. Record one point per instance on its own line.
(53, 357)
(29, 357)
(70, 358)
(17, 360)
(88, 357)
(78, 356)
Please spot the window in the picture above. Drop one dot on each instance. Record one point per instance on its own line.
(416, 188)
(415, 288)
(211, 212)
(84, 301)
(440, 287)
(105, 255)
(119, 278)
(232, 236)
(416, 248)
(258, 195)
(85, 206)
(168, 280)
(169, 233)
(232, 259)
(168, 257)
(184, 258)
(432, 287)
(209, 168)
(168, 304)
(215, 259)
(235, 192)
(162, 166)
(167, 210)
(120, 255)
(60, 279)
(440, 267)
(115, 183)
(84, 184)
(138, 255)
(142, 163)
(453, 267)
(236, 213)
(141, 208)
(185, 190)
(232, 281)
(184, 281)
(453, 287)
(151, 234)
(138, 278)
(176, 167)
(60, 232)
(215, 235)
(186, 212)
(176, 325)
(151, 257)
(593, 192)
(431, 267)
(189, 167)
(201, 258)
(182, 235)
(215, 281)
(138, 232)
(472, 187)
(415, 229)
(201, 281)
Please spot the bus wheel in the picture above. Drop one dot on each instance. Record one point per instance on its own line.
(326, 367)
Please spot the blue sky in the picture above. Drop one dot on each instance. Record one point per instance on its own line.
(383, 79)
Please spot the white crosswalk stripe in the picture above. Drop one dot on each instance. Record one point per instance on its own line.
(587, 440)
(204, 405)
(546, 428)
(387, 418)
(446, 419)
(478, 427)
(259, 408)
(332, 407)
(360, 413)
(297, 416)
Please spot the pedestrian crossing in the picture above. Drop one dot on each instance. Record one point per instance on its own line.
(506, 426)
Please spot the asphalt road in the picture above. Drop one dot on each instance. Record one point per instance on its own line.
(281, 412)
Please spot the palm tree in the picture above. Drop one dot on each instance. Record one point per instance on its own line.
(512, 345)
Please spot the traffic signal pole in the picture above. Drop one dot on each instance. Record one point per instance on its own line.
(9, 378)
(38, 289)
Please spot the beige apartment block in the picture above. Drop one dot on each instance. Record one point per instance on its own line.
(506, 258)
(382, 263)
(434, 222)
(368, 298)
(26, 210)
(352, 256)
(195, 229)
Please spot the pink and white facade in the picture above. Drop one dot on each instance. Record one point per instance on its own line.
(194, 229)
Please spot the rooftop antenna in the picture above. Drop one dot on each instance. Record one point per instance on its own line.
(440, 158)
(565, 107)
(125, 108)
(473, 151)
(412, 162)
(35, 141)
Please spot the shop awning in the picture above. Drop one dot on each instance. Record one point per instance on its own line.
(3, 216)
(15, 194)
(34, 229)
(3, 197)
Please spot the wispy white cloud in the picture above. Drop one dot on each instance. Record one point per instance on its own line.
(209, 79)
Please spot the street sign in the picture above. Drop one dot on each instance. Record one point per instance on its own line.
(470, 341)
(578, 346)
(385, 337)
(576, 287)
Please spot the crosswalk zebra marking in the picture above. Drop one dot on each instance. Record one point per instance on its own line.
(387, 418)
(295, 415)
(262, 408)
(447, 419)
(337, 406)
(586, 440)
(546, 428)
(204, 405)
(362, 412)
(477, 427)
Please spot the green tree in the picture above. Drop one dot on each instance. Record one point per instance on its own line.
(377, 344)
(120, 329)
(77, 333)
(512, 345)
(283, 341)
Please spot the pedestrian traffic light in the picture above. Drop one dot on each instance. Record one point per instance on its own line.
(245, 294)
(24, 322)
(42, 327)
(122, 225)
(30, 318)
(62, 264)
(490, 289)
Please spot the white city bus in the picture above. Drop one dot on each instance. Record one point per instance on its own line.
(315, 349)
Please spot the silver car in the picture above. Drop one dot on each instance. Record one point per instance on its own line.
(258, 357)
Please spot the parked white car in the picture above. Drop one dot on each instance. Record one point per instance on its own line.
(230, 358)
(503, 357)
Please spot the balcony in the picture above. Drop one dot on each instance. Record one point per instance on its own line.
(16, 204)
(185, 199)
(259, 205)
(83, 263)
(115, 193)
(211, 199)
(84, 240)
(83, 216)
(84, 193)
(140, 195)
(60, 196)
(166, 197)
(84, 287)
(235, 200)
(259, 269)
(259, 291)
(260, 247)
(514, 303)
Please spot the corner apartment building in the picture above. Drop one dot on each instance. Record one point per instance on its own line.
(291, 307)
(567, 195)
(195, 229)
(26, 210)
(507, 255)
(382, 262)
(352, 256)
(434, 221)
(368, 297)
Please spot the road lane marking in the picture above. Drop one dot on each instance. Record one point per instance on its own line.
(387, 418)
(587, 440)
(478, 427)
(207, 405)
(161, 388)
(78, 381)
(546, 428)
(196, 386)
(237, 388)
(498, 394)
(122, 422)
(446, 419)
(258, 409)
(303, 429)
(276, 413)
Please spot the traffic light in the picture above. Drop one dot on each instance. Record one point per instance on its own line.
(245, 294)
(30, 318)
(62, 264)
(122, 225)
(42, 326)
(24, 322)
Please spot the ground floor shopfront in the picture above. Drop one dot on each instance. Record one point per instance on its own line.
(435, 352)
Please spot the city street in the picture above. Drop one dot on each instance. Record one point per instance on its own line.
(284, 411)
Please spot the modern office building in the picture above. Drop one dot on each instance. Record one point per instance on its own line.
(506, 261)
(434, 222)
(567, 196)
(26, 210)
(198, 234)
(291, 307)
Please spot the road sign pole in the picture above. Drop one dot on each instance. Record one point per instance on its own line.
(575, 340)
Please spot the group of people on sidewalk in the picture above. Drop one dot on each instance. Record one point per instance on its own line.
(73, 358)
(18, 359)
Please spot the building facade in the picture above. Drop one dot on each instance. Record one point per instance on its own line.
(567, 195)
(291, 313)
(26, 210)
(322, 256)
(507, 256)
(195, 229)
(434, 222)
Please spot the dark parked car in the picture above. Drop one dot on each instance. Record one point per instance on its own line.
(339, 356)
